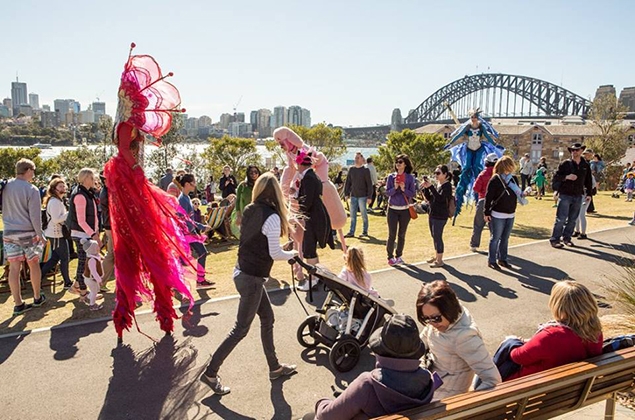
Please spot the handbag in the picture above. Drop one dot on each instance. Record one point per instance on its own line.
(411, 208)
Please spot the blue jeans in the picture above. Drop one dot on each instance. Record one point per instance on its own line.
(359, 202)
(500, 229)
(566, 216)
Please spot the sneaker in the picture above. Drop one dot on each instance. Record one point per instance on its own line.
(493, 265)
(20, 309)
(556, 244)
(399, 261)
(436, 264)
(632, 222)
(104, 289)
(95, 307)
(474, 249)
(583, 236)
(364, 235)
(392, 261)
(215, 384)
(202, 285)
(303, 286)
(39, 302)
(568, 243)
(285, 370)
(349, 235)
(575, 234)
(504, 264)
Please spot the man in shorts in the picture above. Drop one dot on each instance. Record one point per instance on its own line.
(23, 238)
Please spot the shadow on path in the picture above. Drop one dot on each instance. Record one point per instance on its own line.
(192, 322)
(157, 383)
(481, 285)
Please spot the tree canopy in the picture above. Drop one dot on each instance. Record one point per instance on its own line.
(233, 151)
(424, 150)
(328, 140)
(607, 114)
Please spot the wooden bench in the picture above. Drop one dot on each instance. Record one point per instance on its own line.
(542, 395)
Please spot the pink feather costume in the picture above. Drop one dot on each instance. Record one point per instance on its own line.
(148, 227)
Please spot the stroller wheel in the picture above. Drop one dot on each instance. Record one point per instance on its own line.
(306, 331)
(344, 354)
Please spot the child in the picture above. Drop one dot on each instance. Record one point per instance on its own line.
(540, 180)
(354, 270)
(196, 214)
(629, 186)
(93, 272)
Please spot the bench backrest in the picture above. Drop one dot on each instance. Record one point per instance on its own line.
(539, 396)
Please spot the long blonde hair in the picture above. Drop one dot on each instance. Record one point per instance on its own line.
(572, 304)
(356, 264)
(267, 190)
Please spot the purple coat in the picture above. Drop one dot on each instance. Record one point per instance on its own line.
(395, 195)
(394, 385)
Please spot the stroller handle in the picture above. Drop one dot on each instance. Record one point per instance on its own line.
(298, 260)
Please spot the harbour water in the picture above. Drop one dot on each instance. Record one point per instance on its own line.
(265, 155)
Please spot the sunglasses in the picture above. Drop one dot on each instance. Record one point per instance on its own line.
(432, 319)
(399, 161)
(437, 173)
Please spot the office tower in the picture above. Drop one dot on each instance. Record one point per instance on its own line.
(18, 96)
(34, 100)
(605, 90)
(225, 120)
(253, 120)
(279, 117)
(204, 121)
(306, 117)
(239, 117)
(294, 115)
(263, 122)
(99, 108)
(627, 98)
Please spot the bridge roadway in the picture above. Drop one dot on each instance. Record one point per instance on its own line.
(77, 372)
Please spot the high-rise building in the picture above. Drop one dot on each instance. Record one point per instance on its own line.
(306, 117)
(605, 90)
(46, 108)
(204, 121)
(263, 122)
(396, 120)
(5, 112)
(225, 120)
(240, 129)
(239, 117)
(294, 115)
(34, 100)
(18, 96)
(62, 106)
(75, 106)
(50, 119)
(627, 98)
(191, 123)
(87, 117)
(99, 108)
(8, 103)
(253, 120)
(279, 117)
(26, 110)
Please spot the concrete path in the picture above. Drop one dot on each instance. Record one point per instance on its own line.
(78, 372)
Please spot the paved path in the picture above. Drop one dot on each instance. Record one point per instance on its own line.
(77, 372)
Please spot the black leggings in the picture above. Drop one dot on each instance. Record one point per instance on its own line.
(397, 226)
(436, 229)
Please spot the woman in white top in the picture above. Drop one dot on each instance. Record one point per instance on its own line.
(56, 214)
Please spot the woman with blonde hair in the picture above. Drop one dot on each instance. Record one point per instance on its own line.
(83, 222)
(264, 222)
(56, 214)
(501, 198)
(574, 334)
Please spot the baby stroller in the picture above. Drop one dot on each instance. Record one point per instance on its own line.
(345, 321)
(619, 189)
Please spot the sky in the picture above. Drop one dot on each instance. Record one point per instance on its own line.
(349, 62)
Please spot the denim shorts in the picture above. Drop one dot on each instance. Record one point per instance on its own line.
(23, 249)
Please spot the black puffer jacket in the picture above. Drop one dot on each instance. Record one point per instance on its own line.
(499, 197)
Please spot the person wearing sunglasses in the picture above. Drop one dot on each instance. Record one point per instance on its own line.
(400, 188)
(439, 198)
(456, 349)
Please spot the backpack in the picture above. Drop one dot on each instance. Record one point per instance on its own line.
(45, 218)
(451, 207)
(618, 343)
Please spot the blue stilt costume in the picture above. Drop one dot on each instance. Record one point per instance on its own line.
(479, 142)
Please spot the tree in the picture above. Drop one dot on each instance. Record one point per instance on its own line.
(69, 162)
(233, 151)
(326, 139)
(9, 157)
(277, 153)
(424, 150)
(162, 158)
(607, 114)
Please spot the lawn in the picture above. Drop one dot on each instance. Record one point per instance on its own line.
(533, 222)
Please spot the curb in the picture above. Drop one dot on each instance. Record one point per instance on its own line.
(231, 297)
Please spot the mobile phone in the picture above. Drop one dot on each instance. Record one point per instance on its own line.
(400, 178)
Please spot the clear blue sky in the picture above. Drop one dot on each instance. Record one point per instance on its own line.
(349, 62)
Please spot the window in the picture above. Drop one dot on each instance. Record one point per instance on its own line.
(556, 154)
(535, 155)
(536, 138)
(446, 135)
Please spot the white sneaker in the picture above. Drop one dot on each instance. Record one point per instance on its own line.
(474, 249)
(303, 286)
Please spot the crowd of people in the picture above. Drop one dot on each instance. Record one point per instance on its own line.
(447, 357)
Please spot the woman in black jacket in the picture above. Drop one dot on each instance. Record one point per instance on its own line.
(501, 199)
(438, 197)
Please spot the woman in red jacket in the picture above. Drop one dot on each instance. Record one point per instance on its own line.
(575, 333)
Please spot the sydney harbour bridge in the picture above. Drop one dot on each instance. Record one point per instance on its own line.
(498, 95)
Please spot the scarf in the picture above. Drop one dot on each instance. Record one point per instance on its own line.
(507, 179)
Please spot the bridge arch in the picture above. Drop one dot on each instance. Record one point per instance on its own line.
(488, 90)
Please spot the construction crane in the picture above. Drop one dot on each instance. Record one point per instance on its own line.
(236, 105)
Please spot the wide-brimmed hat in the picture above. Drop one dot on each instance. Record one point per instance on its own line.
(398, 338)
(589, 151)
(576, 146)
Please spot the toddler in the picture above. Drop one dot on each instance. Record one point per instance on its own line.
(93, 272)
(354, 270)
(629, 186)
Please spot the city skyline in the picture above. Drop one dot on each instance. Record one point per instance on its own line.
(352, 67)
